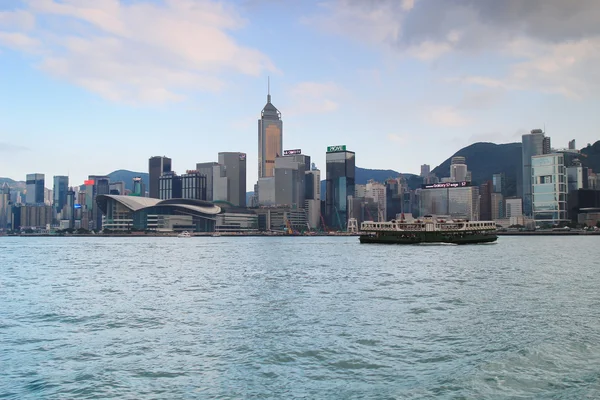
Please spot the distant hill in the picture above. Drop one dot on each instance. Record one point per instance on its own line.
(126, 176)
(486, 159)
(590, 156)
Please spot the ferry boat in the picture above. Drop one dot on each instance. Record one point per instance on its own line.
(429, 229)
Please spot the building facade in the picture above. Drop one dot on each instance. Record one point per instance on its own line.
(59, 194)
(4, 207)
(270, 139)
(35, 189)
(169, 186)
(193, 185)
(290, 180)
(234, 164)
(458, 169)
(454, 200)
(339, 184)
(207, 169)
(533, 145)
(549, 188)
(156, 167)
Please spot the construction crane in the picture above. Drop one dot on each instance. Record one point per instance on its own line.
(323, 223)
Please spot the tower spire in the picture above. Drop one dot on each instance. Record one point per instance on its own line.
(268, 89)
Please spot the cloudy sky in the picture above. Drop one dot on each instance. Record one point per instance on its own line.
(90, 86)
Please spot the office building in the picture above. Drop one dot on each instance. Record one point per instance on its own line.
(266, 191)
(499, 183)
(4, 207)
(485, 201)
(377, 192)
(290, 186)
(458, 169)
(534, 144)
(207, 169)
(572, 145)
(549, 188)
(68, 211)
(425, 170)
(454, 199)
(339, 183)
(139, 188)
(59, 194)
(576, 178)
(36, 216)
(169, 186)
(117, 188)
(35, 189)
(94, 186)
(270, 139)
(156, 167)
(497, 206)
(234, 164)
(193, 185)
(312, 194)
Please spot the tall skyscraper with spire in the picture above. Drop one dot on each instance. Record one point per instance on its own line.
(270, 138)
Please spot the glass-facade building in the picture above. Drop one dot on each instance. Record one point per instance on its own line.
(193, 185)
(549, 188)
(339, 184)
(459, 202)
(156, 167)
(270, 139)
(59, 194)
(533, 145)
(35, 189)
(234, 168)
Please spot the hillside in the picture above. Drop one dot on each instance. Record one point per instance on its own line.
(126, 176)
(486, 159)
(590, 156)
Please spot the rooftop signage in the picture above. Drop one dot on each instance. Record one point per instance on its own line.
(292, 152)
(333, 149)
(446, 185)
(89, 182)
(242, 156)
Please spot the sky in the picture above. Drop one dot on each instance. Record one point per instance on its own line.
(89, 87)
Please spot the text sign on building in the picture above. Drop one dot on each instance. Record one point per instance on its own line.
(292, 152)
(89, 182)
(333, 149)
(445, 185)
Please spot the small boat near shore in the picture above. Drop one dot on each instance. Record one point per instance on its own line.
(429, 229)
(184, 234)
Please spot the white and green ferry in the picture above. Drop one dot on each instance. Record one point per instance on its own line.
(429, 229)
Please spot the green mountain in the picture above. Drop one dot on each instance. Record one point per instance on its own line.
(486, 159)
(590, 156)
(126, 176)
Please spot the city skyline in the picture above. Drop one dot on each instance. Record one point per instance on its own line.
(368, 76)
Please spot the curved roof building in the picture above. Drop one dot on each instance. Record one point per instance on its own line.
(124, 213)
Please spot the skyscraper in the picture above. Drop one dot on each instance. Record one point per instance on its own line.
(235, 171)
(4, 207)
(95, 185)
(340, 180)
(193, 185)
(290, 184)
(59, 194)
(35, 189)
(139, 188)
(207, 169)
(533, 145)
(270, 139)
(156, 167)
(458, 169)
(425, 170)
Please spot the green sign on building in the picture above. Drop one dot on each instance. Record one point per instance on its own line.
(333, 149)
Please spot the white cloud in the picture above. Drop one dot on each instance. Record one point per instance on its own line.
(397, 138)
(447, 117)
(139, 52)
(314, 97)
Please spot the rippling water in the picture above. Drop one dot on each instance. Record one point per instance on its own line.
(321, 317)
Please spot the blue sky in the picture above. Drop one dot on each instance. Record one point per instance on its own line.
(87, 87)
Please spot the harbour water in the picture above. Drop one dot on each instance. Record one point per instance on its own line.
(298, 317)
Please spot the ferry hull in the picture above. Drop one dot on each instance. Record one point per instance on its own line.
(428, 237)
